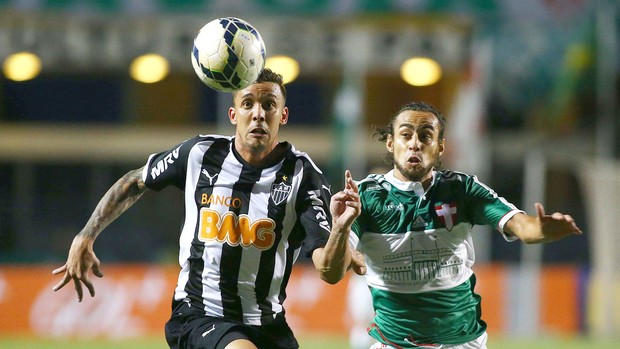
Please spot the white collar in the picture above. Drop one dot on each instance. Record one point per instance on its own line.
(406, 185)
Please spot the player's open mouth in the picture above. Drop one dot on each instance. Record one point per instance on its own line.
(414, 160)
(258, 131)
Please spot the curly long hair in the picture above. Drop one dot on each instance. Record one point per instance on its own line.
(382, 133)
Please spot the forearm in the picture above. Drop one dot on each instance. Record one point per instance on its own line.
(122, 195)
(335, 257)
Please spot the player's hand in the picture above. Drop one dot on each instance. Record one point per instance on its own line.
(357, 262)
(556, 225)
(345, 205)
(80, 261)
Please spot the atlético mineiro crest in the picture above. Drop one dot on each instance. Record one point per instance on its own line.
(279, 192)
(447, 214)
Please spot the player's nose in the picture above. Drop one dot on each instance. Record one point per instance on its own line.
(258, 114)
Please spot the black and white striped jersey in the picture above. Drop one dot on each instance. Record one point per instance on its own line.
(244, 226)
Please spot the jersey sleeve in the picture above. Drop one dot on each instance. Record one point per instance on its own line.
(314, 214)
(168, 167)
(487, 207)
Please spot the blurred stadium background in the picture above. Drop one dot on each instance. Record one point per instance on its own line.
(530, 89)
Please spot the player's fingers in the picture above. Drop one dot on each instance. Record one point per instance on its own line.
(341, 195)
(558, 216)
(352, 184)
(89, 286)
(59, 270)
(78, 288)
(96, 270)
(353, 204)
(347, 179)
(62, 283)
(574, 226)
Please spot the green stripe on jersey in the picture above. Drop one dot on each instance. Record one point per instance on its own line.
(448, 316)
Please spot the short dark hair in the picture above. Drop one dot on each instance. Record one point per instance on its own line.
(268, 75)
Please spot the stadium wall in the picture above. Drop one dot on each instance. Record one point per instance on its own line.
(133, 300)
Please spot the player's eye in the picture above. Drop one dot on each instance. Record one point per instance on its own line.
(269, 105)
(426, 136)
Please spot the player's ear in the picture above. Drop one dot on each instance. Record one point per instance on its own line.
(442, 146)
(232, 116)
(389, 143)
(284, 116)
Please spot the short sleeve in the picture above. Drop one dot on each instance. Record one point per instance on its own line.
(168, 167)
(314, 214)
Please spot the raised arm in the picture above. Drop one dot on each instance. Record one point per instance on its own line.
(335, 258)
(541, 228)
(124, 193)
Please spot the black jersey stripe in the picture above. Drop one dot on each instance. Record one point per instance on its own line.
(231, 255)
(213, 159)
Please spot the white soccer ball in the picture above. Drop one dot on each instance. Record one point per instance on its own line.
(228, 54)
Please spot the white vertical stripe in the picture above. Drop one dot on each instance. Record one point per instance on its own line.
(191, 217)
(213, 249)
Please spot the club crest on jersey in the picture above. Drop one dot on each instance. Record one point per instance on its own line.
(279, 192)
(447, 214)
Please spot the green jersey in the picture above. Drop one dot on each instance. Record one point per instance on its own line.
(419, 253)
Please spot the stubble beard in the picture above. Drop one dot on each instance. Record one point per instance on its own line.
(415, 174)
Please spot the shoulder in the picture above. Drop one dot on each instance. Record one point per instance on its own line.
(211, 138)
(453, 175)
(303, 157)
(450, 176)
(373, 182)
(206, 141)
(467, 183)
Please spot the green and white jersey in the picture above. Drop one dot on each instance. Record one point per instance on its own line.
(419, 253)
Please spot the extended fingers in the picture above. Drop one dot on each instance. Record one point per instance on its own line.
(96, 269)
(78, 279)
(65, 280)
(89, 285)
(59, 270)
(78, 288)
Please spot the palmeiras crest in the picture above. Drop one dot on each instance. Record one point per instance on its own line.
(279, 192)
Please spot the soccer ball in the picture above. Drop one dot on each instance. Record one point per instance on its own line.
(228, 54)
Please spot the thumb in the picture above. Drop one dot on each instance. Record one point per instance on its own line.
(357, 263)
(359, 269)
(540, 210)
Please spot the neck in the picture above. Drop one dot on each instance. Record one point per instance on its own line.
(425, 180)
(259, 157)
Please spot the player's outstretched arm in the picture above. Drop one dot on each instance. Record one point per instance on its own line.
(335, 258)
(81, 259)
(542, 227)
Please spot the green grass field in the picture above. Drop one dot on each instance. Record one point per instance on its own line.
(314, 342)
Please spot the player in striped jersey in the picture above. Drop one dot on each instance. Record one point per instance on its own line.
(415, 233)
(250, 203)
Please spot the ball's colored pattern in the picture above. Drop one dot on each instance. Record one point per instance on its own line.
(228, 54)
